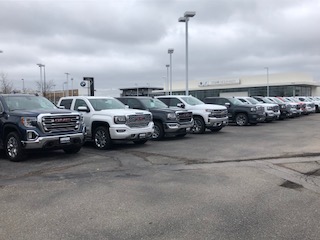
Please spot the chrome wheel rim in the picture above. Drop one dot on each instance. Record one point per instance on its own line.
(156, 132)
(100, 139)
(12, 147)
(197, 126)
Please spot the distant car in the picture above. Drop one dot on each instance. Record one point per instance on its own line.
(303, 106)
(238, 112)
(310, 105)
(295, 107)
(271, 109)
(284, 110)
(167, 121)
(205, 116)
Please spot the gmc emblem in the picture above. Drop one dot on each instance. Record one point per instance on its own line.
(61, 120)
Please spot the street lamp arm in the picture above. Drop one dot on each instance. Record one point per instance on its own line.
(189, 14)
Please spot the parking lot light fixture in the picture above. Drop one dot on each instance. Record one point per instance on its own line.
(67, 83)
(167, 80)
(267, 68)
(44, 83)
(170, 51)
(185, 19)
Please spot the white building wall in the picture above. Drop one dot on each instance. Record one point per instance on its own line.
(276, 79)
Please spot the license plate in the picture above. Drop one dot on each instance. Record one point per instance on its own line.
(142, 135)
(65, 140)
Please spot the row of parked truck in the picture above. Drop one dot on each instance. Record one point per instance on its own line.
(33, 122)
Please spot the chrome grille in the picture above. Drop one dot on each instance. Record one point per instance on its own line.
(184, 117)
(219, 113)
(139, 121)
(260, 110)
(60, 123)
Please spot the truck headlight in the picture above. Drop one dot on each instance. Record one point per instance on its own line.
(253, 109)
(269, 108)
(29, 121)
(120, 119)
(171, 116)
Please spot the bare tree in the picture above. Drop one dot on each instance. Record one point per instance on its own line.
(44, 88)
(6, 86)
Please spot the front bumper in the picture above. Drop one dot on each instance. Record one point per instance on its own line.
(58, 141)
(216, 122)
(124, 132)
(176, 127)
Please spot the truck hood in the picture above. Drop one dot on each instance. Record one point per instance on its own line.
(36, 112)
(207, 106)
(122, 112)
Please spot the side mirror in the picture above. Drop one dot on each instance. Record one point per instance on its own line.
(83, 109)
(61, 107)
(227, 104)
(126, 106)
(181, 105)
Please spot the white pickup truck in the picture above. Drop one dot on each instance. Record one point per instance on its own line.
(211, 116)
(108, 120)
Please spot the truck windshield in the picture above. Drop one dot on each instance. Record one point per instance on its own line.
(252, 100)
(106, 103)
(192, 100)
(235, 101)
(28, 103)
(152, 103)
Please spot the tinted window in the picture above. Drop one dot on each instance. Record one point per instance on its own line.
(79, 103)
(134, 103)
(66, 103)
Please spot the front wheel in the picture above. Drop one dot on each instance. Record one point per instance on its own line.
(102, 138)
(140, 142)
(13, 147)
(158, 132)
(72, 150)
(241, 119)
(199, 125)
(216, 129)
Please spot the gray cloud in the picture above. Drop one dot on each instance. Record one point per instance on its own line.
(122, 43)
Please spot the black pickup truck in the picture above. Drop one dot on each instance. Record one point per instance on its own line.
(241, 114)
(33, 122)
(167, 121)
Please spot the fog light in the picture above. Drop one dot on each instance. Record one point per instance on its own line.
(31, 135)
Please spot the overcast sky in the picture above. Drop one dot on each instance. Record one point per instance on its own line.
(124, 43)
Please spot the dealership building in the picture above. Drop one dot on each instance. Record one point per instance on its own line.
(280, 84)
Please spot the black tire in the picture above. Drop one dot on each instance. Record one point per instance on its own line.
(242, 119)
(72, 150)
(199, 126)
(216, 129)
(13, 147)
(140, 142)
(101, 138)
(158, 133)
(181, 135)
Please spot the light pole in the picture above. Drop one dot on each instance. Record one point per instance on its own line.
(137, 89)
(42, 84)
(170, 51)
(54, 93)
(67, 84)
(63, 89)
(167, 82)
(267, 81)
(72, 87)
(22, 85)
(185, 19)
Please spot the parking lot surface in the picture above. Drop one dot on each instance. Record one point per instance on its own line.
(252, 182)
